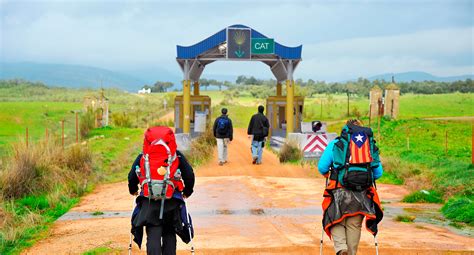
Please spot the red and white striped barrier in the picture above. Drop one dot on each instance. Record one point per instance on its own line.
(315, 143)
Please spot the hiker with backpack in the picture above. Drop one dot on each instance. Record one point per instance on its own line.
(166, 179)
(352, 164)
(258, 129)
(223, 132)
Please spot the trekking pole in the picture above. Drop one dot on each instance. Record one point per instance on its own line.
(322, 227)
(189, 229)
(130, 243)
(376, 246)
(321, 243)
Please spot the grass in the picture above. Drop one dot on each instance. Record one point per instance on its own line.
(101, 250)
(97, 213)
(40, 183)
(201, 149)
(460, 209)
(114, 150)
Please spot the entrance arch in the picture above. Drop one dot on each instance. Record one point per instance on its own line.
(238, 43)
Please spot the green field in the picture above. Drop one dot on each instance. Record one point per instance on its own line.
(334, 107)
(15, 117)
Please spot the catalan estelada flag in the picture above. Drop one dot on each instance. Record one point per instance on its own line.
(360, 149)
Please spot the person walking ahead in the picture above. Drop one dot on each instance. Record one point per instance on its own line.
(223, 132)
(258, 128)
(352, 163)
(154, 163)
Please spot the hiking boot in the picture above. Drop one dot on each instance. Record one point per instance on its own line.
(221, 163)
(254, 161)
(342, 252)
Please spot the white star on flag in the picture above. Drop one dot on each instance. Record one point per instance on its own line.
(359, 138)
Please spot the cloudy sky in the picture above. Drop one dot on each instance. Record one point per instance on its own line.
(341, 39)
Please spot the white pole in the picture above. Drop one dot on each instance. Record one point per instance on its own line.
(321, 243)
(376, 246)
(131, 214)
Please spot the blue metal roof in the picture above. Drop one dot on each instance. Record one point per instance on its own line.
(191, 52)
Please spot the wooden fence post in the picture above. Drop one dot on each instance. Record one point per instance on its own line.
(77, 129)
(26, 137)
(370, 113)
(472, 144)
(446, 143)
(321, 114)
(408, 139)
(62, 133)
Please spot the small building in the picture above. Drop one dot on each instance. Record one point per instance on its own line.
(144, 91)
(99, 105)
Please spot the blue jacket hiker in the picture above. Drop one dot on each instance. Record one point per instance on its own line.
(351, 163)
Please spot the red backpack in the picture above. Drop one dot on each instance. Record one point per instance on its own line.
(159, 174)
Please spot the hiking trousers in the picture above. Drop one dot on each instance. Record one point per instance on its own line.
(161, 240)
(222, 149)
(346, 234)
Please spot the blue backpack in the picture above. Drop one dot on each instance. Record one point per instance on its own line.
(222, 125)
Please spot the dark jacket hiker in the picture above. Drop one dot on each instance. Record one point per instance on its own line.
(161, 232)
(258, 125)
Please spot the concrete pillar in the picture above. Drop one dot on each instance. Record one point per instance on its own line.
(375, 95)
(196, 88)
(279, 89)
(392, 97)
(186, 106)
(290, 90)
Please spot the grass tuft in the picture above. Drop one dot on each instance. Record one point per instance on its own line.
(405, 218)
(423, 196)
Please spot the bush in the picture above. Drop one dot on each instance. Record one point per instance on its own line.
(41, 167)
(87, 123)
(121, 120)
(460, 209)
(290, 152)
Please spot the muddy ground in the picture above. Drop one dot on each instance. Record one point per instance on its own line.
(240, 208)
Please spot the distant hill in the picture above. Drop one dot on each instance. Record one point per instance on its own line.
(418, 76)
(69, 75)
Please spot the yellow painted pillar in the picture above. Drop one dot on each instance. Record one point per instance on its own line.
(278, 89)
(196, 88)
(186, 106)
(274, 116)
(290, 90)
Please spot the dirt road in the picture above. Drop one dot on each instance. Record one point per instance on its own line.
(240, 208)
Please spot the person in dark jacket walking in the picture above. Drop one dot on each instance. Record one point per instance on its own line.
(223, 132)
(161, 233)
(258, 129)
